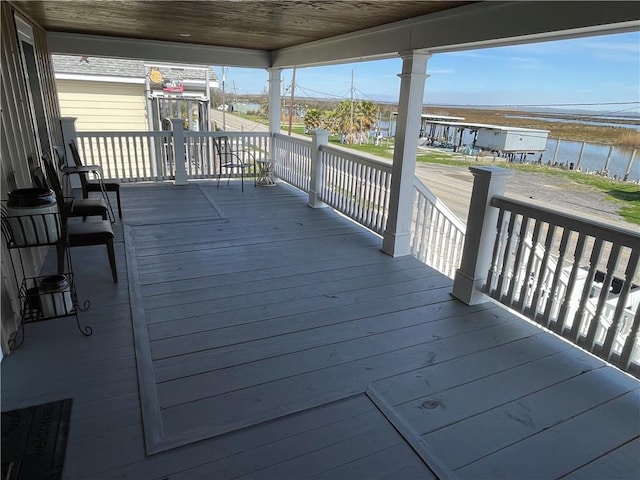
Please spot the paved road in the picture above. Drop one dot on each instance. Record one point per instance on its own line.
(236, 124)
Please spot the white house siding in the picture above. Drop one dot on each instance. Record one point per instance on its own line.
(517, 140)
(103, 106)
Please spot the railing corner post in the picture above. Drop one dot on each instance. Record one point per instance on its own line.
(480, 236)
(318, 139)
(178, 151)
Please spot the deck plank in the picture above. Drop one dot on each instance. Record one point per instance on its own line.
(617, 422)
(435, 411)
(510, 423)
(396, 462)
(623, 463)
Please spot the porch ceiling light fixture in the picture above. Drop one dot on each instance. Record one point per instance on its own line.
(184, 34)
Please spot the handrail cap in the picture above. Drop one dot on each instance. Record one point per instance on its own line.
(491, 171)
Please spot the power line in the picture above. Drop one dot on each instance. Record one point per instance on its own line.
(550, 104)
(330, 95)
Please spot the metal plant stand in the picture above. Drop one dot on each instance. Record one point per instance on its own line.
(39, 300)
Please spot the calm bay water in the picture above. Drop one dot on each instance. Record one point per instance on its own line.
(594, 157)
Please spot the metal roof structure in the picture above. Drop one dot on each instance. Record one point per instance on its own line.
(487, 126)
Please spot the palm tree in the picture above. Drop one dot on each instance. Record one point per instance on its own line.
(356, 122)
(368, 114)
(313, 119)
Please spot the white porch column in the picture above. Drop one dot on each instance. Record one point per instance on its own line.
(318, 138)
(68, 126)
(178, 151)
(275, 103)
(396, 236)
(481, 234)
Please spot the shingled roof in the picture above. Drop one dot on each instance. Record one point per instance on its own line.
(119, 67)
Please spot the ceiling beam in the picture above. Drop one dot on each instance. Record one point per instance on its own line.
(479, 25)
(173, 52)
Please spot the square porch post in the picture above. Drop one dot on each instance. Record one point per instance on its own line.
(397, 234)
(179, 151)
(275, 106)
(275, 103)
(481, 234)
(318, 138)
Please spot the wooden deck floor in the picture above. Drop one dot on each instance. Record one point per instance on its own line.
(252, 336)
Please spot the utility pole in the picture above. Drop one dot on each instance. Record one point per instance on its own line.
(293, 87)
(224, 103)
(351, 123)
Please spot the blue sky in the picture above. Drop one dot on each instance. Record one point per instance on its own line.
(600, 69)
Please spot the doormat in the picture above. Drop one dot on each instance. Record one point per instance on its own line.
(34, 441)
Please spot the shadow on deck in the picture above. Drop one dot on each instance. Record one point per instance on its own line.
(254, 336)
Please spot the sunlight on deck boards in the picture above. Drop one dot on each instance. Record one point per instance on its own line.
(282, 339)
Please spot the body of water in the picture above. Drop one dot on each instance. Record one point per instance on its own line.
(594, 157)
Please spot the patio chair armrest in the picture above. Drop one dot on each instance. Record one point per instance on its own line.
(82, 169)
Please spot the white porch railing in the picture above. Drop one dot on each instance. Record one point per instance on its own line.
(149, 156)
(576, 277)
(201, 160)
(129, 156)
(569, 282)
(356, 186)
(437, 234)
(292, 160)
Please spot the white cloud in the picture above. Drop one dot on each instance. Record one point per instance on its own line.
(526, 63)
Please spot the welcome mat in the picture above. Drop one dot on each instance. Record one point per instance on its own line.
(34, 441)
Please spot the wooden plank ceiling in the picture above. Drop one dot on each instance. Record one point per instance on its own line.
(250, 24)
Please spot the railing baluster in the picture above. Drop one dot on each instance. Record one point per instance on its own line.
(540, 287)
(495, 257)
(604, 295)
(507, 277)
(517, 276)
(552, 299)
(586, 290)
(629, 274)
(423, 212)
(524, 290)
(625, 359)
(567, 303)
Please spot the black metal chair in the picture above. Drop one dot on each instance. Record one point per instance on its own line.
(232, 160)
(85, 207)
(90, 185)
(79, 234)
